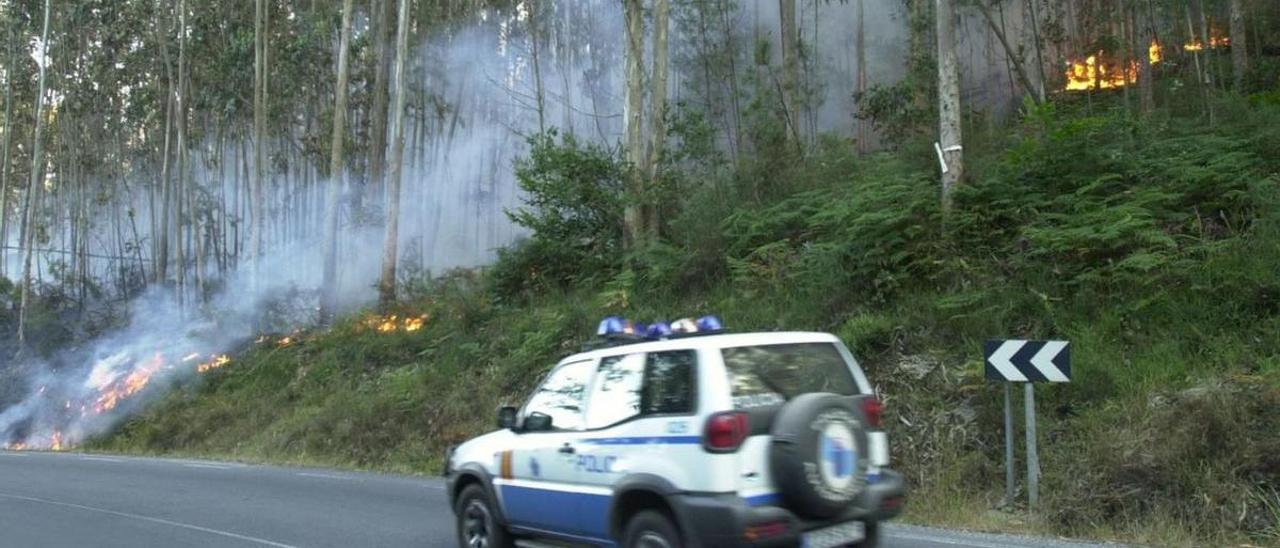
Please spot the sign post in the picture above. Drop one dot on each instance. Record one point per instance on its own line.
(1026, 362)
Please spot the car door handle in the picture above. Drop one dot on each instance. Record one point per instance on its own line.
(568, 449)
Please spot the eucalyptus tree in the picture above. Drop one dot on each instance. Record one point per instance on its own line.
(390, 247)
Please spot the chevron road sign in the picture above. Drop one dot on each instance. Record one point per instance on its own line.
(1028, 361)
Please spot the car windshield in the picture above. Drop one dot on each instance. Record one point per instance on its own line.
(772, 374)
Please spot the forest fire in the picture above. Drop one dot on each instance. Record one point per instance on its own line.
(395, 322)
(111, 382)
(1215, 41)
(1099, 71)
(217, 361)
(112, 393)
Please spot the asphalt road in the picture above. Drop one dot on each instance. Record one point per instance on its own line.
(70, 499)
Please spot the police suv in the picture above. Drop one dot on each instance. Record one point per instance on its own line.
(684, 435)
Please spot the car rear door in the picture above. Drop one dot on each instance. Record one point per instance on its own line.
(640, 419)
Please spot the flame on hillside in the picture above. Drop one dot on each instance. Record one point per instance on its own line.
(111, 382)
(395, 322)
(1101, 71)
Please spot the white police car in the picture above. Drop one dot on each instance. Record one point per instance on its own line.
(695, 437)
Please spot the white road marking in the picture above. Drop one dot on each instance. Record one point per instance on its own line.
(12, 454)
(140, 517)
(941, 540)
(326, 476)
(102, 459)
(199, 465)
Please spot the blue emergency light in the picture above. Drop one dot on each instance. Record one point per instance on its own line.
(618, 327)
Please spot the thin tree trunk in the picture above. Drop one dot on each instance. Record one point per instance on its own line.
(633, 215)
(256, 202)
(1239, 45)
(37, 152)
(4, 152)
(329, 302)
(378, 124)
(860, 84)
(949, 115)
(1035, 36)
(1146, 73)
(180, 266)
(390, 242)
(535, 49)
(658, 117)
(790, 39)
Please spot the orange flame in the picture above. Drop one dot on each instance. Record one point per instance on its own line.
(217, 361)
(1216, 40)
(55, 443)
(393, 323)
(131, 384)
(1098, 72)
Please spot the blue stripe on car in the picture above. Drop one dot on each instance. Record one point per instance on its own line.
(646, 440)
(577, 513)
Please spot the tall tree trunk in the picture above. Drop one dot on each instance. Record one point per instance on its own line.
(255, 201)
(633, 215)
(180, 257)
(37, 159)
(658, 116)
(535, 50)
(860, 84)
(790, 39)
(329, 301)
(390, 242)
(1239, 45)
(1041, 92)
(1146, 71)
(949, 116)
(4, 154)
(378, 124)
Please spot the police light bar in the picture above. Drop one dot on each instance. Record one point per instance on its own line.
(618, 327)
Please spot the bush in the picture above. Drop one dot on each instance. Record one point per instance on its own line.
(573, 203)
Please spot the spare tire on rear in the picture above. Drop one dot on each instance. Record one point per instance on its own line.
(818, 458)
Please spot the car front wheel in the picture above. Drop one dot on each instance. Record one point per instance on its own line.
(477, 526)
(650, 529)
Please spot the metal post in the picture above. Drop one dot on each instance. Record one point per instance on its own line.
(1033, 460)
(1008, 444)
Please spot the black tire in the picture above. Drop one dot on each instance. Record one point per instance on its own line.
(816, 475)
(477, 524)
(651, 529)
(872, 537)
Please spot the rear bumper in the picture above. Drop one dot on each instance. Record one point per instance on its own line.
(728, 520)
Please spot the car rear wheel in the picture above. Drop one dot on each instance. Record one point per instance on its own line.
(477, 525)
(651, 529)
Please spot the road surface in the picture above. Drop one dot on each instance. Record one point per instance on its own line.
(70, 499)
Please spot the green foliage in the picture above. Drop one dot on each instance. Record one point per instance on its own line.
(573, 201)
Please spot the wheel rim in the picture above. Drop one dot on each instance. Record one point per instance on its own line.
(650, 539)
(476, 525)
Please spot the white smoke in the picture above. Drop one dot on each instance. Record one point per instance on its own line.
(481, 100)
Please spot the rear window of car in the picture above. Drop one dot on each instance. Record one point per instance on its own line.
(765, 375)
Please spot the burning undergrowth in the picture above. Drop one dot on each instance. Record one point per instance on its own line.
(85, 391)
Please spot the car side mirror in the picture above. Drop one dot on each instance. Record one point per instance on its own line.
(507, 417)
(537, 422)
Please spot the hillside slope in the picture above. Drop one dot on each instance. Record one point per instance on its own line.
(1152, 245)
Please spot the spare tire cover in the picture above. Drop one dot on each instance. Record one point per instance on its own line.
(818, 454)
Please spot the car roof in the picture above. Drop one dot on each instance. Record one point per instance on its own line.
(724, 340)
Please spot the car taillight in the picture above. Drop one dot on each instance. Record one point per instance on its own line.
(725, 432)
(872, 408)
